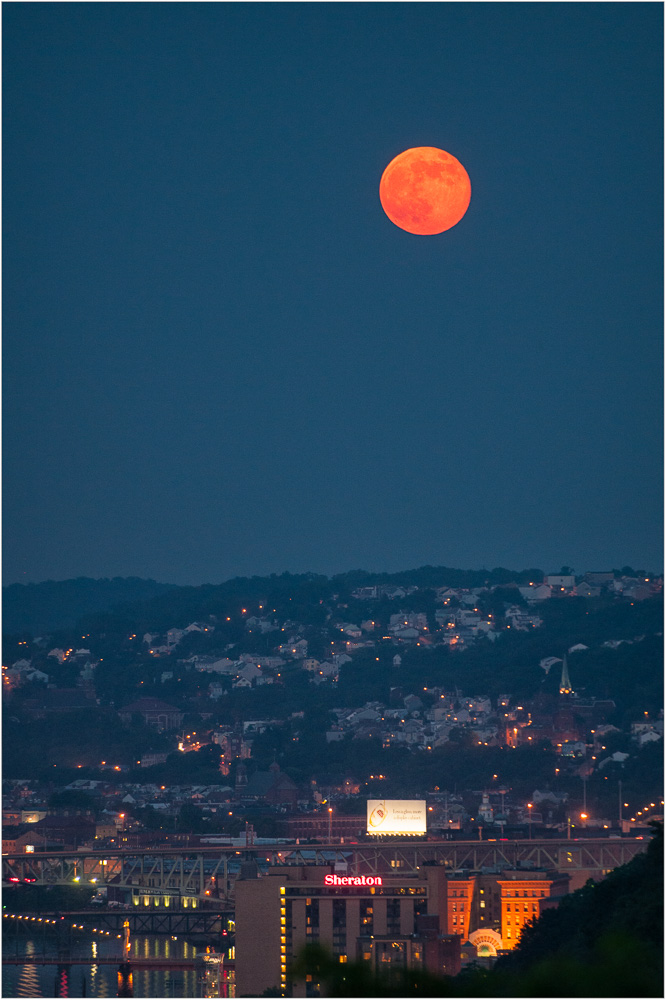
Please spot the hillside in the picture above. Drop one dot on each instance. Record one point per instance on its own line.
(55, 605)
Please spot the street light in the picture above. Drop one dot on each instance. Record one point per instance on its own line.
(583, 816)
(330, 820)
(529, 818)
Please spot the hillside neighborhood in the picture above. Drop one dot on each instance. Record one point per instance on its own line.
(346, 673)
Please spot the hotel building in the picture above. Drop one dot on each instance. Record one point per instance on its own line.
(419, 920)
(389, 920)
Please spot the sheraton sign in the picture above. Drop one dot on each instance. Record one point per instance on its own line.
(352, 880)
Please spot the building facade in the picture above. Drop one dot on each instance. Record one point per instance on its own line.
(322, 826)
(386, 921)
(153, 712)
(419, 920)
(523, 895)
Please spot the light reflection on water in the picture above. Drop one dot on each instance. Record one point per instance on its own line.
(97, 980)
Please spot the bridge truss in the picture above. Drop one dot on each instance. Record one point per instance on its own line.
(210, 872)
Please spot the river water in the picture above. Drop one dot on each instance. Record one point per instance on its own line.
(97, 980)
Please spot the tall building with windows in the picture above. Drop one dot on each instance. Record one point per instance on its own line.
(425, 920)
(386, 921)
(522, 897)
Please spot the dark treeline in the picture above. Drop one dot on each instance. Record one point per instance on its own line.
(131, 603)
(56, 605)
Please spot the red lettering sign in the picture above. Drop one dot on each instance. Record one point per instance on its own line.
(352, 880)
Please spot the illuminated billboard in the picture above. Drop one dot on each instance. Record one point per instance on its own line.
(396, 816)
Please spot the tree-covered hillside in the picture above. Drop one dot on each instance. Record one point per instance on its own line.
(55, 605)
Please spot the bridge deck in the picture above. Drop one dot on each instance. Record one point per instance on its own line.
(210, 871)
(134, 963)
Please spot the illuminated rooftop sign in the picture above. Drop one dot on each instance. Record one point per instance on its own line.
(352, 880)
(397, 816)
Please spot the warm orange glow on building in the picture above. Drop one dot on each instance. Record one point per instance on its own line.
(522, 898)
(460, 892)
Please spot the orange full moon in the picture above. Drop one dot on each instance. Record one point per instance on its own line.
(425, 190)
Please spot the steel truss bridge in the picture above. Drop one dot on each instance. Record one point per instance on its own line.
(135, 963)
(568, 856)
(209, 873)
(208, 922)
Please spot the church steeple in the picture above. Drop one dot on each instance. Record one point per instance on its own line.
(565, 683)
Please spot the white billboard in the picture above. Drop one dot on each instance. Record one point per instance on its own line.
(396, 816)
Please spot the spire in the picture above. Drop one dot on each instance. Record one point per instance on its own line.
(565, 683)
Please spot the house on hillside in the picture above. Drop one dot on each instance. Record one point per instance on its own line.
(584, 589)
(213, 664)
(57, 701)
(561, 581)
(536, 592)
(272, 787)
(153, 712)
(18, 840)
(72, 831)
(199, 627)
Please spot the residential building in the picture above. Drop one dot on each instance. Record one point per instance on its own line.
(153, 712)
(321, 825)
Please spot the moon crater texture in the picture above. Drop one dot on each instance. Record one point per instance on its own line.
(425, 190)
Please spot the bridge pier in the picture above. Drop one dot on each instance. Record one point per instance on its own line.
(63, 973)
(125, 980)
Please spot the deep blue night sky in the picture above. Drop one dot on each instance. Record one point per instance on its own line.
(221, 358)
